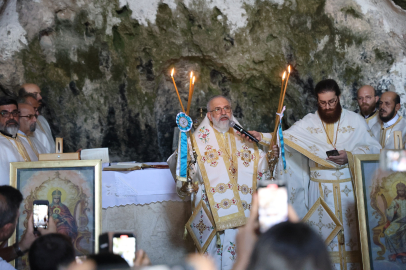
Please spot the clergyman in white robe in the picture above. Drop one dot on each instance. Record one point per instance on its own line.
(384, 132)
(371, 119)
(44, 135)
(213, 172)
(309, 175)
(13, 149)
(34, 143)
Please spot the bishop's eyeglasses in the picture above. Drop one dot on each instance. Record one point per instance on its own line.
(218, 110)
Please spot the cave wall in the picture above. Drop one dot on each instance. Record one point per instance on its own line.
(104, 66)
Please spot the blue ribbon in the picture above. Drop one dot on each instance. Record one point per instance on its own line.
(183, 155)
(282, 145)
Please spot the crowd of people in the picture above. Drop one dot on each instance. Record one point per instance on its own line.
(228, 169)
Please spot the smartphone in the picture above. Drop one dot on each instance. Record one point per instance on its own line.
(393, 160)
(40, 214)
(124, 244)
(332, 153)
(273, 206)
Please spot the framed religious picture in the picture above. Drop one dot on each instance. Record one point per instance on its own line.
(381, 203)
(72, 189)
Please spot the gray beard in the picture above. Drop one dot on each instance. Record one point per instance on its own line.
(222, 126)
(12, 130)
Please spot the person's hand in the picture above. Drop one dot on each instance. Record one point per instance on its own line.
(247, 237)
(28, 237)
(141, 258)
(254, 133)
(275, 151)
(51, 227)
(200, 262)
(292, 216)
(341, 159)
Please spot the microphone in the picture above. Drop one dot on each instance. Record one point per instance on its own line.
(242, 131)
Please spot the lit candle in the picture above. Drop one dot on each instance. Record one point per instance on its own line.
(189, 101)
(286, 85)
(177, 92)
(273, 140)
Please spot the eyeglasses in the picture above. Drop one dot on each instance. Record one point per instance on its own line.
(30, 116)
(331, 103)
(217, 110)
(7, 114)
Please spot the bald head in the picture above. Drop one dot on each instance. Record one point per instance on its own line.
(31, 88)
(30, 100)
(389, 105)
(367, 100)
(28, 118)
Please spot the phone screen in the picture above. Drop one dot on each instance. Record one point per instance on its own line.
(40, 216)
(124, 245)
(273, 206)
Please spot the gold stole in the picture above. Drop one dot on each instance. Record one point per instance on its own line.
(372, 116)
(34, 148)
(40, 126)
(382, 139)
(231, 161)
(19, 146)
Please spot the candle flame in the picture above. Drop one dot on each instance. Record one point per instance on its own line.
(191, 74)
(193, 82)
(173, 70)
(289, 69)
(284, 75)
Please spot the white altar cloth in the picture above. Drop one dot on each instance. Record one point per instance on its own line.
(138, 187)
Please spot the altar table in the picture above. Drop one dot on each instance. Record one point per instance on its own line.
(145, 202)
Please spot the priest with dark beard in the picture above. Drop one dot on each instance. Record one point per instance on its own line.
(391, 121)
(13, 149)
(318, 152)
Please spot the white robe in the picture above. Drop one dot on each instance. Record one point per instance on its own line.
(13, 150)
(226, 254)
(309, 175)
(35, 144)
(371, 120)
(385, 135)
(44, 135)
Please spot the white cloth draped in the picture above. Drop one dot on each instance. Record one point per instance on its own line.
(44, 135)
(385, 135)
(13, 150)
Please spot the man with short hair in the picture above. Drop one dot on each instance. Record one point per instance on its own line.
(51, 252)
(367, 100)
(28, 124)
(310, 173)
(389, 106)
(10, 200)
(13, 149)
(44, 133)
(228, 168)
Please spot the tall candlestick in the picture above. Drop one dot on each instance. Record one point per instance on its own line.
(286, 85)
(273, 140)
(177, 92)
(189, 101)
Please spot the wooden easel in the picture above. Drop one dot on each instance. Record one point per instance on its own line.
(59, 154)
(398, 139)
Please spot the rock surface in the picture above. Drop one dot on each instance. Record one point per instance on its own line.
(104, 66)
